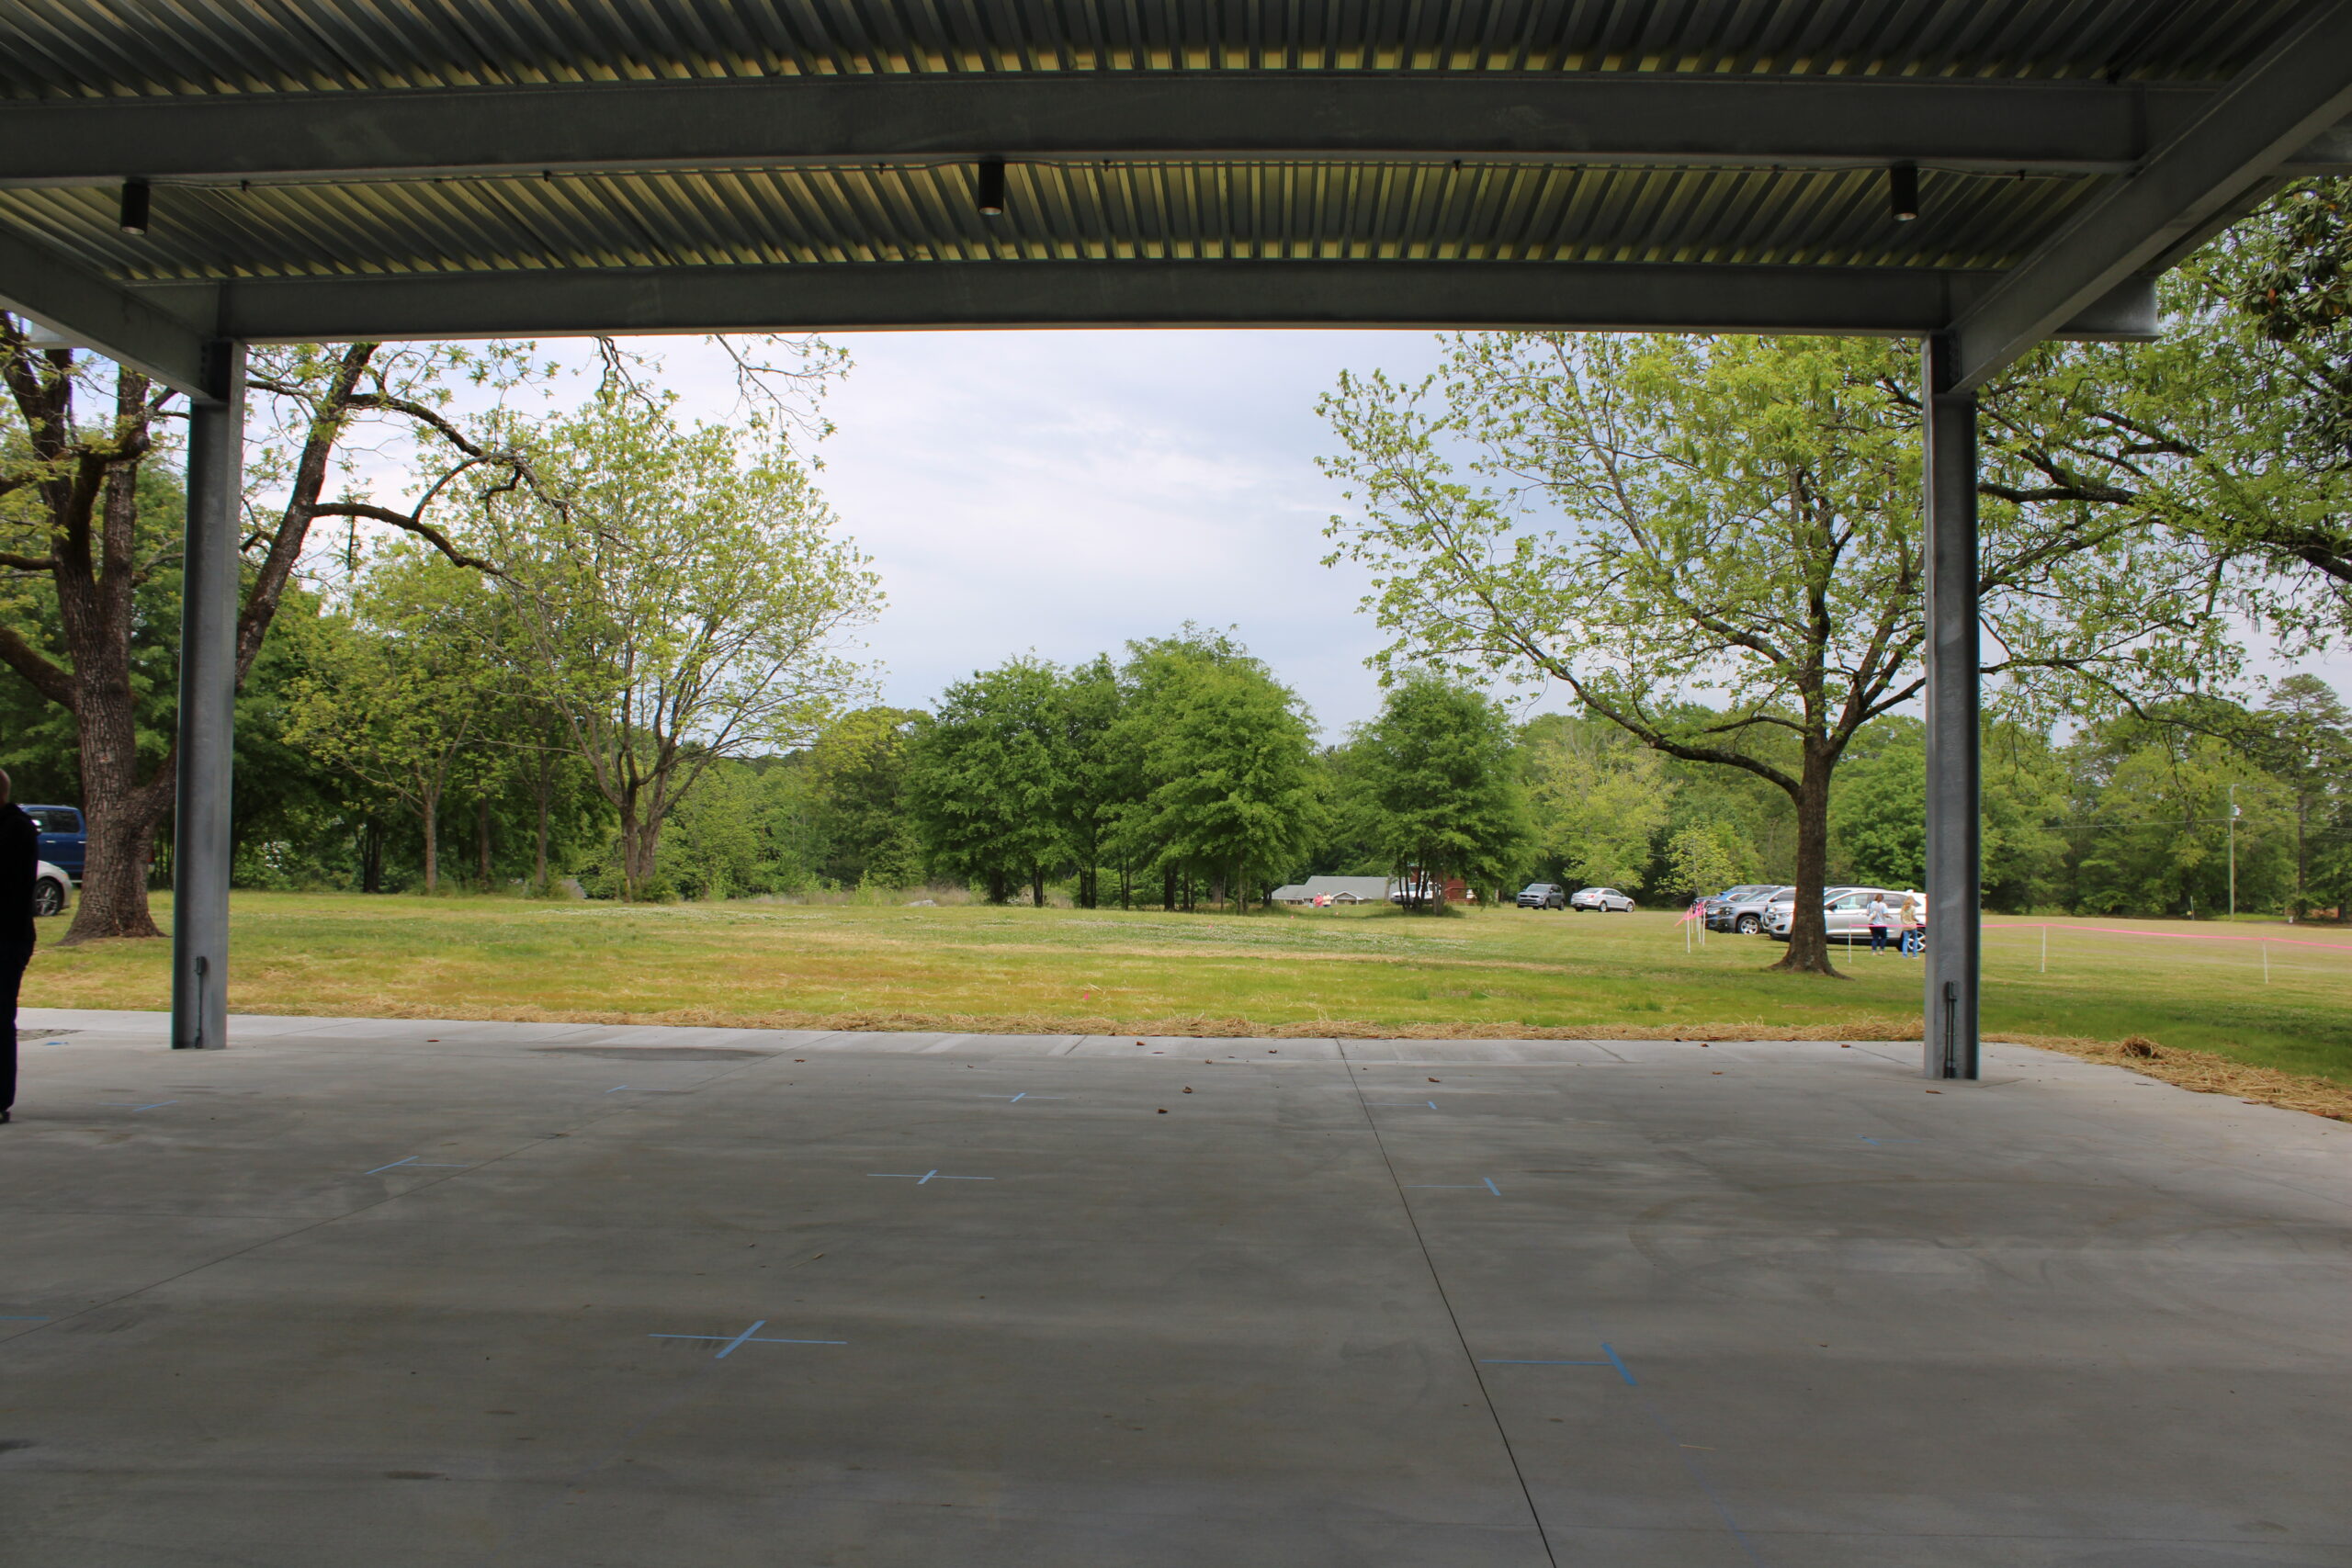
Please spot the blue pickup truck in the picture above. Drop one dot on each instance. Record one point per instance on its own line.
(63, 843)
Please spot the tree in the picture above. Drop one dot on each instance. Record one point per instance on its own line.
(396, 695)
(1698, 862)
(1742, 519)
(1227, 766)
(1444, 788)
(99, 545)
(1878, 813)
(986, 778)
(1599, 797)
(684, 594)
(857, 775)
(2302, 736)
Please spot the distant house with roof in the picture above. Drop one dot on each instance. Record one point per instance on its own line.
(1338, 889)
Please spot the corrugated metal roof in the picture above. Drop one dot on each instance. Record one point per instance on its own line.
(50, 47)
(1110, 212)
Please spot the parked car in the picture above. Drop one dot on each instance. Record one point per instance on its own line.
(1543, 896)
(50, 886)
(1844, 912)
(1604, 899)
(63, 840)
(1749, 915)
(1716, 907)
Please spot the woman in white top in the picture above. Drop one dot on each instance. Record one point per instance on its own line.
(1880, 917)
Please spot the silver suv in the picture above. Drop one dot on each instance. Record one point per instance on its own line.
(1846, 911)
(1747, 915)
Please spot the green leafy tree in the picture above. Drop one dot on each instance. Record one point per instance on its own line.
(90, 542)
(1878, 813)
(986, 776)
(1228, 765)
(1598, 799)
(1444, 784)
(857, 782)
(1699, 861)
(396, 695)
(1738, 522)
(686, 595)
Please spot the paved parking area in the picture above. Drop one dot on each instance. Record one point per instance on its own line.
(384, 1295)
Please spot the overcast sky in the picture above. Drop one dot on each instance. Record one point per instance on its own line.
(1065, 492)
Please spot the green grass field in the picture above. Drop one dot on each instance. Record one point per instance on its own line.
(1342, 971)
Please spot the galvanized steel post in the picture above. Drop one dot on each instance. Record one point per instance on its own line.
(200, 842)
(1954, 841)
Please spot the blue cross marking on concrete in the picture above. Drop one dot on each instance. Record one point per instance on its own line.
(1015, 1100)
(1485, 1182)
(424, 1163)
(1614, 1359)
(927, 1176)
(749, 1336)
(148, 1107)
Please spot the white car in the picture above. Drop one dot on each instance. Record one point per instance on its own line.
(50, 888)
(1605, 899)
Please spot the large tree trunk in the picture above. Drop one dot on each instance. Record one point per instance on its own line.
(1036, 888)
(96, 613)
(1808, 933)
(432, 813)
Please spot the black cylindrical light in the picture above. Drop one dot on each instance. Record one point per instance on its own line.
(987, 192)
(1902, 191)
(134, 207)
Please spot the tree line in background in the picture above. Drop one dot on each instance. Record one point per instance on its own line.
(608, 645)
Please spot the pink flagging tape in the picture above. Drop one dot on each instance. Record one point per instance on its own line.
(2176, 936)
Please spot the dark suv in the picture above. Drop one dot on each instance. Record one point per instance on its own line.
(62, 841)
(1543, 896)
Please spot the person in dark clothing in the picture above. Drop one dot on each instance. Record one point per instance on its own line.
(19, 869)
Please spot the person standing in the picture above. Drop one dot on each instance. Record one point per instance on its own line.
(19, 869)
(1914, 917)
(1880, 917)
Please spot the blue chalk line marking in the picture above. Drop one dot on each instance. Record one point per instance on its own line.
(151, 1107)
(1401, 1105)
(749, 1336)
(926, 1176)
(1883, 1141)
(1015, 1100)
(424, 1163)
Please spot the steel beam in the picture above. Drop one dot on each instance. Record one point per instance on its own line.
(845, 297)
(1954, 832)
(200, 841)
(2298, 92)
(84, 309)
(1798, 122)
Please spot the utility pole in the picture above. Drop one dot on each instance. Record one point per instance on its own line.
(2234, 852)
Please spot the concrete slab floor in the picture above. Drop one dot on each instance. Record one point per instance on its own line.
(381, 1293)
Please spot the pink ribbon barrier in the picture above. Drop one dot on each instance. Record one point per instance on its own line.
(2176, 936)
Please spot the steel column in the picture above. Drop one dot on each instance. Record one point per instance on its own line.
(200, 842)
(1955, 836)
